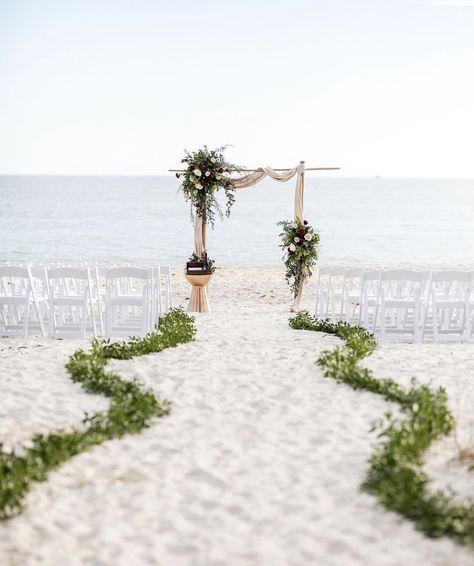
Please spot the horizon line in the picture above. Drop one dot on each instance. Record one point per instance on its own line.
(367, 176)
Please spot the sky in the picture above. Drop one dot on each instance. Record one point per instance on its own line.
(377, 87)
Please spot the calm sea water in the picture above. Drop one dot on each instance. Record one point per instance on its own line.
(145, 219)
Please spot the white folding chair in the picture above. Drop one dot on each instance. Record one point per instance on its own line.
(335, 298)
(71, 303)
(20, 305)
(166, 299)
(99, 293)
(330, 293)
(128, 301)
(398, 310)
(39, 278)
(369, 292)
(322, 290)
(352, 295)
(450, 305)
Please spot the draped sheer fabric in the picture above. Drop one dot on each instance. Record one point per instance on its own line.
(250, 180)
(282, 176)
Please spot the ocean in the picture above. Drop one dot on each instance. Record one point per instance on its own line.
(146, 220)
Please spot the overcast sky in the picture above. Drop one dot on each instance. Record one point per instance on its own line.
(381, 87)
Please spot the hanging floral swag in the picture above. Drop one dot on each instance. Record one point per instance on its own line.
(300, 245)
(206, 173)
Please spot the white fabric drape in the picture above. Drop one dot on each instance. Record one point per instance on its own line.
(199, 236)
(248, 181)
(282, 176)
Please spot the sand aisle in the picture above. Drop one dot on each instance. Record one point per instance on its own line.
(259, 463)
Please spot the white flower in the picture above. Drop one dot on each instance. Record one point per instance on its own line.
(207, 173)
(294, 225)
(213, 159)
(197, 172)
(296, 240)
(198, 186)
(308, 237)
(292, 247)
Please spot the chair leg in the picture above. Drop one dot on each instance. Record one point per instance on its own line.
(435, 323)
(424, 320)
(16, 314)
(416, 324)
(377, 316)
(361, 321)
(382, 315)
(83, 314)
(26, 318)
(2, 314)
(145, 318)
(52, 329)
(467, 322)
(101, 315)
(160, 299)
(108, 318)
(89, 300)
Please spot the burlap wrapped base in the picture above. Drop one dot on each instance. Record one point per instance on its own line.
(199, 301)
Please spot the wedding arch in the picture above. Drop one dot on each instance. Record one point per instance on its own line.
(250, 177)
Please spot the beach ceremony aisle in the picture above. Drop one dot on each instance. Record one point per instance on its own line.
(259, 463)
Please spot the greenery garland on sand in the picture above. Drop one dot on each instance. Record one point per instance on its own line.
(396, 476)
(131, 409)
(207, 172)
(300, 246)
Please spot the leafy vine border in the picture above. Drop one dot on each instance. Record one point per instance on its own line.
(131, 409)
(395, 475)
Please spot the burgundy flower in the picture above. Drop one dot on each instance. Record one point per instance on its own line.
(305, 222)
(177, 175)
(301, 232)
(221, 170)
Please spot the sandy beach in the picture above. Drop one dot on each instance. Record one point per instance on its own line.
(259, 463)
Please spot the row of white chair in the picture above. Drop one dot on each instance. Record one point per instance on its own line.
(401, 304)
(75, 300)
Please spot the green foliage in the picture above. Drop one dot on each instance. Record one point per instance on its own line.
(207, 172)
(395, 475)
(300, 246)
(132, 408)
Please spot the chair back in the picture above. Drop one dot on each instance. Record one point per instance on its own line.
(68, 282)
(15, 281)
(20, 298)
(401, 284)
(370, 281)
(451, 284)
(353, 281)
(127, 281)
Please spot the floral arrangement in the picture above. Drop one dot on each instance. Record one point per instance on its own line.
(206, 173)
(300, 244)
(204, 258)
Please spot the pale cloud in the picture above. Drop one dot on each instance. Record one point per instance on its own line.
(450, 3)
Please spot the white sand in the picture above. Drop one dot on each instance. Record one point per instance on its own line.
(259, 463)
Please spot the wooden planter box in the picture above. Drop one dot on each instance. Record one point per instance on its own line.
(196, 268)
